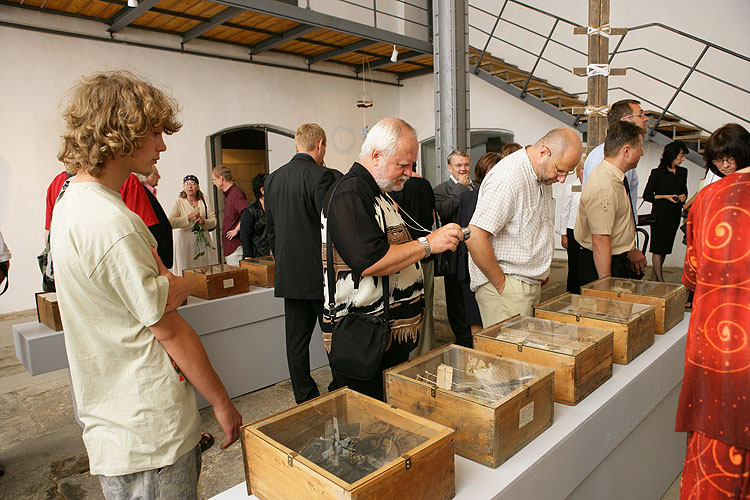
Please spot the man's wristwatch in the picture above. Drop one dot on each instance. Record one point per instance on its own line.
(426, 244)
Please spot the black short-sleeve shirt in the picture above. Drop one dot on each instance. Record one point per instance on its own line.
(363, 224)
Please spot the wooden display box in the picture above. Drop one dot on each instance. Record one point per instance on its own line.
(581, 356)
(668, 299)
(632, 324)
(218, 280)
(496, 405)
(48, 310)
(259, 270)
(345, 446)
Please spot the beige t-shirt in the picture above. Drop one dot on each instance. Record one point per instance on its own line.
(139, 411)
(605, 209)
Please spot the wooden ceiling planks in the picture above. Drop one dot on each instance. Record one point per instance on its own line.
(179, 16)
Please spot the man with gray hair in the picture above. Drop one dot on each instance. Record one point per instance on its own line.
(447, 196)
(512, 228)
(371, 240)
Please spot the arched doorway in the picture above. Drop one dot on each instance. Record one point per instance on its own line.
(248, 150)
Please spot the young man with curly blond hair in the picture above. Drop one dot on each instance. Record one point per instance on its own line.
(134, 362)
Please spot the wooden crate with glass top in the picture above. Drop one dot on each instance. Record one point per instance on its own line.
(496, 405)
(668, 299)
(215, 281)
(347, 446)
(259, 270)
(633, 324)
(580, 355)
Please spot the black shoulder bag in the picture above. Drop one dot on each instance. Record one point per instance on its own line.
(358, 340)
(45, 258)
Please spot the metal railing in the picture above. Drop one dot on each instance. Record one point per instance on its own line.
(548, 38)
(693, 69)
(376, 11)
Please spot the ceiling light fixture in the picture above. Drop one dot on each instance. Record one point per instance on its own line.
(132, 3)
(394, 54)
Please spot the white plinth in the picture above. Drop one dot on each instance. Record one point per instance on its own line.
(618, 443)
(243, 336)
(39, 348)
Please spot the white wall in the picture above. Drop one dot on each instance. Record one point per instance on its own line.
(214, 95)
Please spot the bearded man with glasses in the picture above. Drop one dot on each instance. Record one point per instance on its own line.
(512, 240)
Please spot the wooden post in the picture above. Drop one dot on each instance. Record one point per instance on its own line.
(598, 84)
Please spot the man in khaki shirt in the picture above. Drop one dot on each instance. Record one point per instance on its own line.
(605, 226)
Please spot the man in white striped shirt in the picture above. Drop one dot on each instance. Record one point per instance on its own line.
(512, 238)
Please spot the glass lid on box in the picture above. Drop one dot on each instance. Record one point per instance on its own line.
(482, 378)
(261, 260)
(553, 336)
(213, 269)
(595, 307)
(346, 436)
(635, 287)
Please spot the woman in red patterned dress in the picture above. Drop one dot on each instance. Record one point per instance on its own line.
(714, 405)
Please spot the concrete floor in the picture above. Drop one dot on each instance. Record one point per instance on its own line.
(40, 442)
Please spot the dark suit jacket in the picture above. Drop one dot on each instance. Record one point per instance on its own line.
(447, 196)
(294, 195)
(460, 258)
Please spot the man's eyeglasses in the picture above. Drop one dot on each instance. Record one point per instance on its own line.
(560, 173)
(639, 115)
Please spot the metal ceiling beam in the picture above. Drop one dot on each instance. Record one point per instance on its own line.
(329, 54)
(414, 73)
(402, 57)
(313, 18)
(282, 38)
(218, 19)
(129, 14)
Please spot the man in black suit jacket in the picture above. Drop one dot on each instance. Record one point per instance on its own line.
(293, 196)
(447, 196)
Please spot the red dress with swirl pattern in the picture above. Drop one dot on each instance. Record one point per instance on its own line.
(714, 401)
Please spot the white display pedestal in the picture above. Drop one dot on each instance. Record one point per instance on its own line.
(243, 336)
(618, 443)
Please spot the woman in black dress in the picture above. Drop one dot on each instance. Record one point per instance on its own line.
(666, 190)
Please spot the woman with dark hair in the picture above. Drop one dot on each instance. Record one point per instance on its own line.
(713, 407)
(460, 259)
(253, 223)
(727, 150)
(509, 148)
(666, 190)
(192, 219)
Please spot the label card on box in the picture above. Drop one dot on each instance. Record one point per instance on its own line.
(526, 415)
(445, 377)
(229, 283)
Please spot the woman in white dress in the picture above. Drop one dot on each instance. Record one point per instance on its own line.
(189, 212)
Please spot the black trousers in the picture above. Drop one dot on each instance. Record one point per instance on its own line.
(454, 303)
(620, 267)
(573, 250)
(396, 354)
(300, 318)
